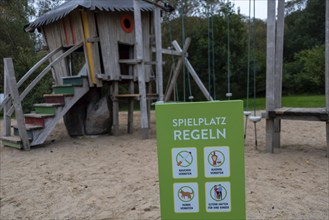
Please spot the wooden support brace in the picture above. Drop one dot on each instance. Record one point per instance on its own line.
(10, 72)
(198, 80)
(177, 70)
(193, 73)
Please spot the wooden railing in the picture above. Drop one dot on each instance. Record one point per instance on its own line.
(12, 100)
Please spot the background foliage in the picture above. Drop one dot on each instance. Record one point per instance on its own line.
(303, 56)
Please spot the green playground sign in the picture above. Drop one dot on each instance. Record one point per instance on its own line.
(201, 160)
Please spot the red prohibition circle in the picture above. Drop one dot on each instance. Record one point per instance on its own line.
(127, 23)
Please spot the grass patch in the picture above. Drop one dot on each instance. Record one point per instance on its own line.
(317, 101)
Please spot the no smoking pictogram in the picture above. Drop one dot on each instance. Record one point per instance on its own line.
(184, 159)
(184, 162)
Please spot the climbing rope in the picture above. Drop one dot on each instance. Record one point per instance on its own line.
(211, 53)
(213, 60)
(247, 113)
(255, 119)
(229, 93)
(209, 62)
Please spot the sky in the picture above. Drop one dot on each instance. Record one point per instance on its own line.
(261, 7)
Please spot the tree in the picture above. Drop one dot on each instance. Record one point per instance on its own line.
(305, 28)
(20, 46)
(303, 50)
(13, 41)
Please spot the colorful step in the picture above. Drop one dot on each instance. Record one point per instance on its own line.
(64, 89)
(37, 119)
(55, 98)
(12, 141)
(46, 108)
(73, 80)
(29, 128)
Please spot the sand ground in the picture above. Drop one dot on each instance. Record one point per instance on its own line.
(107, 177)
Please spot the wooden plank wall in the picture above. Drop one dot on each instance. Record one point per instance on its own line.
(109, 46)
(111, 33)
(72, 30)
(53, 37)
(66, 32)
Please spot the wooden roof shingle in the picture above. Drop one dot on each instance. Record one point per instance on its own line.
(92, 5)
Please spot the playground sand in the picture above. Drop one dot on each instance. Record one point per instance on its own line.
(107, 177)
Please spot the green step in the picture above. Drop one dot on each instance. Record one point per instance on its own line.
(46, 108)
(12, 141)
(73, 80)
(65, 89)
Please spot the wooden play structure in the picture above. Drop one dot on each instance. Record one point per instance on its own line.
(274, 110)
(116, 40)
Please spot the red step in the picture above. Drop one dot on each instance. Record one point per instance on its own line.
(37, 119)
(55, 98)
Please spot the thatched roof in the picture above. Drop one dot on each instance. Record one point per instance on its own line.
(93, 5)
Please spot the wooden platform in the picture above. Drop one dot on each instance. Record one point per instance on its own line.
(134, 96)
(310, 114)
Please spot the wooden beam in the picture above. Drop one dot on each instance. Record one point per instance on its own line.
(169, 52)
(306, 114)
(270, 70)
(278, 71)
(7, 104)
(158, 46)
(197, 80)
(9, 66)
(177, 69)
(141, 68)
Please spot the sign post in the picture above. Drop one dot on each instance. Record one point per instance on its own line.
(201, 160)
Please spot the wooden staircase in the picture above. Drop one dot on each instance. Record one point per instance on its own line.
(42, 121)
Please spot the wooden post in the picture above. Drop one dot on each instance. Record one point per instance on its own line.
(278, 71)
(158, 47)
(131, 102)
(9, 70)
(270, 70)
(327, 71)
(177, 70)
(115, 110)
(6, 116)
(141, 69)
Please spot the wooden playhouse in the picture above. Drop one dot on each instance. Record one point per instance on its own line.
(118, 44)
